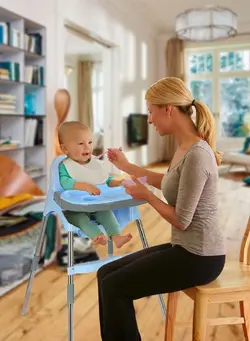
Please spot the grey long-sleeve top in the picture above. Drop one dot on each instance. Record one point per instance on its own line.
(191, 186)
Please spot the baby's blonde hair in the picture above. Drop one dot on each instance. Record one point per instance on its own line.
(65, 127)
(173, 91)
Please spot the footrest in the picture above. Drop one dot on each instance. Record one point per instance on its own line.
(85, 268)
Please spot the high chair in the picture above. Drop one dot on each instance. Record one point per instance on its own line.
(233, 285)
(58, 200)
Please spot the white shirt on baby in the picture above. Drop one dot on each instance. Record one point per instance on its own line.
(93, 172)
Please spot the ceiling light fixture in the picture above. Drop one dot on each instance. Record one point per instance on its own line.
(206, 24)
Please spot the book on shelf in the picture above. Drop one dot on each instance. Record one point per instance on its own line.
(10, 35)
(33, 132)
(34, 74)
(34, 170)
(31, 42)
(8, 143)
(7, 104)
(12, 68)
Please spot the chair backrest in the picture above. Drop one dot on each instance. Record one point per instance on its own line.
(54, 183)
(245, 246)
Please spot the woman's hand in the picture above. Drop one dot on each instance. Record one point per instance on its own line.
(117, 157)
(138, 191)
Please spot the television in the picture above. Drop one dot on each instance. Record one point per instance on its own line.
(137, 130)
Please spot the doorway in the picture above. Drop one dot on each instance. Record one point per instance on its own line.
(89, 76)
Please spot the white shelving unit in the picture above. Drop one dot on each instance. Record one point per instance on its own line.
(23, 94)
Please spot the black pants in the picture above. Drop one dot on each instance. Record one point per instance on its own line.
(159, 269)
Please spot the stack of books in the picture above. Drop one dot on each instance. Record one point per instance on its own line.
(7, 104)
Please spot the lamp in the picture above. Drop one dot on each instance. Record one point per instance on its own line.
(206, 24)
(67, 70)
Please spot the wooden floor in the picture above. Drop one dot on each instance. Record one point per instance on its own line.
(47, 317)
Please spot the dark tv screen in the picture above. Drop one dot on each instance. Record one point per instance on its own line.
(137, 129)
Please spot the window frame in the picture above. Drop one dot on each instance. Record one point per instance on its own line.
(97, 89)
(215, 48)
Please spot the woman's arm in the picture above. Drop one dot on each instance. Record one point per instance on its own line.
(166, 211)
(153, 178)
(194, 175)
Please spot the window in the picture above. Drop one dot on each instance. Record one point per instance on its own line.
(221, 78)
(97, 97)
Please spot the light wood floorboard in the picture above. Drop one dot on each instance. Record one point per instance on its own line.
(47, 316)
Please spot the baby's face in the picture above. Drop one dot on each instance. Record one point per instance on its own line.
(78, 145)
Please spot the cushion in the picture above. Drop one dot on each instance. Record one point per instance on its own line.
(246, 146)
(247, 180)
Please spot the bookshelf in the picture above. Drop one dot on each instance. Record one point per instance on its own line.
(23, 94)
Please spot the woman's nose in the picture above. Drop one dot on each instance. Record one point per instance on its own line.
(149, 119)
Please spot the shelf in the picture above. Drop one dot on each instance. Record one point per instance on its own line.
(21, 96)
(22, 115)
(27, 85)
(35, 146)
(11, 49)
(21, 148)
(37, 176)
(10, 149)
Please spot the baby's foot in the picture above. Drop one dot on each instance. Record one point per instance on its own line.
(100, 239)
(121, 240)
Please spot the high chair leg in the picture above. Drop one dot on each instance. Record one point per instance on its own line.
(70, 288)
(34, 264)
(110, 247)
(245, 313)
(145, 245)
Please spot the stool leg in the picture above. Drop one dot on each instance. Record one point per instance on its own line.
(200, 317)
(145, 245)
(171, 316)
(110, 247)
(34, 264)
(245, 313)
(70, 289)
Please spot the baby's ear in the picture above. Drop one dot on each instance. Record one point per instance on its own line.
(63, 149)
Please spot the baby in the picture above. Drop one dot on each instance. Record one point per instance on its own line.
(81, 171)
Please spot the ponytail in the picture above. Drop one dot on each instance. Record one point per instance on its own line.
(205, 124)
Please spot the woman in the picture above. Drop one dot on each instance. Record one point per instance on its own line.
(196, 254)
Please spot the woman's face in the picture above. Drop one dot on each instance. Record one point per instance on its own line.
(161, 118)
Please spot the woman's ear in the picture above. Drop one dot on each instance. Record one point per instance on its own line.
(169, 110)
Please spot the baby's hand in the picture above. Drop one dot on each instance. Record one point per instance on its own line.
(115, 183)
(93, 190)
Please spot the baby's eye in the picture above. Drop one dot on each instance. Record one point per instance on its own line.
(90, 142)
(81, 143)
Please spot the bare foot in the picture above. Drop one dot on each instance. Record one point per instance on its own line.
(100, 239)
(121, 240)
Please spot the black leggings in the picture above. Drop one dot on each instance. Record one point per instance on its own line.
(159, 269)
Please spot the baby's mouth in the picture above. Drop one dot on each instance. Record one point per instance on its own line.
(85, 154)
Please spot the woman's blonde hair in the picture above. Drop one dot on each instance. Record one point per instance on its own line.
(173, 91)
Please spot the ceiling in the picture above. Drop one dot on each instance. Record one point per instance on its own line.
(79, 45)
(164, 12)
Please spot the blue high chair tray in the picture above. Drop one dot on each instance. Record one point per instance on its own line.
(110, 198)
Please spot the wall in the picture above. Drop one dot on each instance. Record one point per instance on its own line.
(72, 87)
(110, 24)
(129, 35)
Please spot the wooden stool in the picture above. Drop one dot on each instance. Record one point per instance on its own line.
(233, 285)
